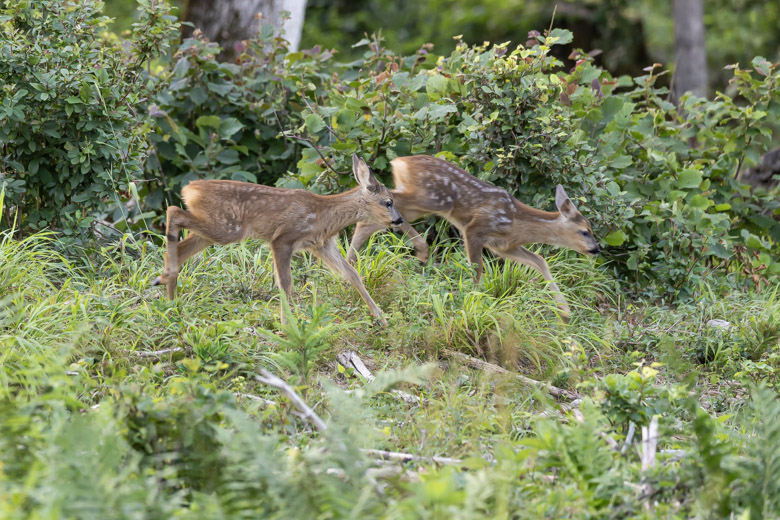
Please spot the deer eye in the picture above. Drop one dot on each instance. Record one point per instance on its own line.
(389, 203)
(585, 233)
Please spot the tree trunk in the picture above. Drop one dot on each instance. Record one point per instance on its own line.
(690, 72)
(231, 21)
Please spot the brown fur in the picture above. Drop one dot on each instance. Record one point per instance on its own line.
(485, 215)
(222, 212)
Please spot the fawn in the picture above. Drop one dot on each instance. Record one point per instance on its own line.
(485, 215)
(222, 212)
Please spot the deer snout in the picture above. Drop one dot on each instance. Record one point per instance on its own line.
(398, 221)
(594, 251)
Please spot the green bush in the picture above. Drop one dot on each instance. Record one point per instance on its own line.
(71, 139)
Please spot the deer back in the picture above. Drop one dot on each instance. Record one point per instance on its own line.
(428, 185)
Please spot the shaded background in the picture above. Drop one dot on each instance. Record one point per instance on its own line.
(631, 34)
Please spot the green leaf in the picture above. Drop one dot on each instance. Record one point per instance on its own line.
(314, 123)
(562, 37)
(621, 161)
(229, 127)
(700, 202)
(616, 238)
(208, 121)
(181, 68)
(227, 156)
(689, 178)
(722, 207)
(198, 95)
(437, 112)
(220, 88)
(346, 119)
(437, 84)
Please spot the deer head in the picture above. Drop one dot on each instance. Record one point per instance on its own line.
(377, 200)
(575, 231)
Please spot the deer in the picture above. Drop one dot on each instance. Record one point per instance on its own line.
(290, 220)
(485, 215)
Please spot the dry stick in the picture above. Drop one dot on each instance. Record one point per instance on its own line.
(484, 365)
(629, 436)
(649, 448)
(349, 358)
(157, 353)
(269, 379)
(408, 457)
(252, 397)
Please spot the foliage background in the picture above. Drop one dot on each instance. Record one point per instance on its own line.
(115, 402)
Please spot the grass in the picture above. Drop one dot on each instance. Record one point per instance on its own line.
(175, 435)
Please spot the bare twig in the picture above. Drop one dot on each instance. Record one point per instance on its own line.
(252, 397)
(349, 358)
(484, 365)
(408, 457)
(649, 444)
(157, 353)
(270, 379)
(629, 436)
(649, 448)
(307, 413)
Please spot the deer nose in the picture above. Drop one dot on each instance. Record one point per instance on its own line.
(596, 250)
(397, 222)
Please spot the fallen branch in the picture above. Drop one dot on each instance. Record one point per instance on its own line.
(257, 398)
(157, 353)
(349, 358)
(307, 413)
(269, 379)
(408, 457)
(484, 365)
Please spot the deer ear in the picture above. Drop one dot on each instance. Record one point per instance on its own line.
(362, 174)
(564, 203)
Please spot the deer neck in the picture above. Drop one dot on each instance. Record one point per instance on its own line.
(341, 210)
(538, 226)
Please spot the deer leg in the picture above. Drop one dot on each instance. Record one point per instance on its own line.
(330, 256)
(176, 253)
(363, 231)
(420, 245)
(282, 254)
(191, 246)
(174, 221)
(524, 256)
(405, 205)
(474, 245)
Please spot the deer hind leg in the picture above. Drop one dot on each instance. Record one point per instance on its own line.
(474, 243)
(282, 254)
(524, 256)
(176, 253)
(330, 255)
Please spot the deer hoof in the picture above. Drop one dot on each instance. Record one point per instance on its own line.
(380, 322)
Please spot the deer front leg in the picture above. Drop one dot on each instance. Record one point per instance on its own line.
(330, 255)
(524, 256)
(474, 244)
(176, 252)
(282, 254)
(171, 270)
(363, 232)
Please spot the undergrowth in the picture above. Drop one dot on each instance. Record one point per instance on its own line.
(163, 395)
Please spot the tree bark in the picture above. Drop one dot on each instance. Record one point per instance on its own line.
(690, 73)
(231, 21)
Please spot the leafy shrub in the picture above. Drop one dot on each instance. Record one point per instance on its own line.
(70, 138)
